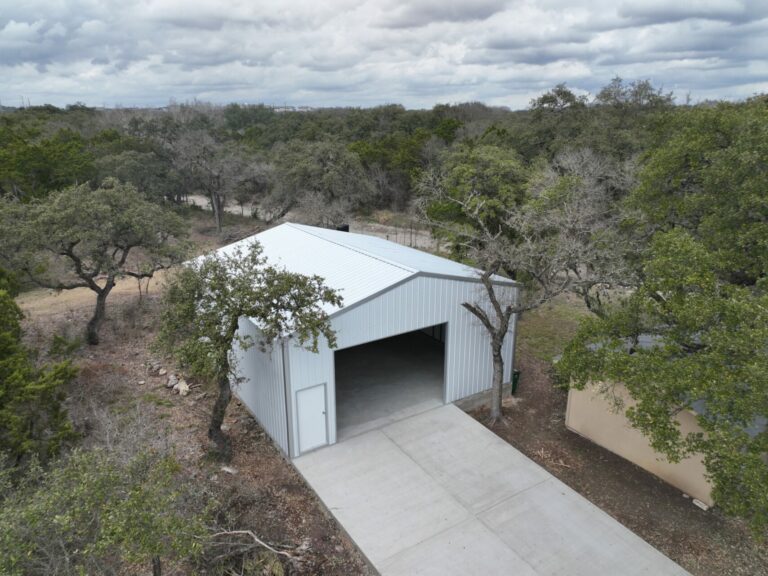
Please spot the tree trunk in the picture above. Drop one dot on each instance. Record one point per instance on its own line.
(157, 567)
(498, 381)
(215, 433)
(216, 205)
(94, 324)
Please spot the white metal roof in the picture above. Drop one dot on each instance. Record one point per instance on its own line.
(357, 265)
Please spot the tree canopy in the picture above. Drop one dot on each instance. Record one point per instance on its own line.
(693, 334)
(82, 237)
(94, 513)
(549, 228)
(323, 180)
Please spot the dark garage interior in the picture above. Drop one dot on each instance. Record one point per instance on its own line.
(386, 380)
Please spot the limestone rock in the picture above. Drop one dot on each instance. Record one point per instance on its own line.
(182, 387)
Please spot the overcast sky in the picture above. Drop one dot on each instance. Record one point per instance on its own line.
(343, 52)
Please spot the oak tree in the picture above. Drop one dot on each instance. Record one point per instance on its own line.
(549, 230)
(693, 334)
(81, 237)
(205, 300)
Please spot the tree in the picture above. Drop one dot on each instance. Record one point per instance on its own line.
(206, 299)
(82, 238)
(701, 302)
(638, 94)
(707, 354)
(324, 170)
(9, 283)
(584, 191)
(709, 178)
(558, 99)
(548, 231)
(558, 120)
(33, 167)
(394, 161)
(33, 420)
(152, 175)
(250, 191)
(91, 513)
(625, 117)
(214, 168)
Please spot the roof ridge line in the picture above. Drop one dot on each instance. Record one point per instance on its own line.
(300, 228)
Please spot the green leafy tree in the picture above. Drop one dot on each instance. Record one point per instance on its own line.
(205, 300)
(558, 99)
(557, 119)
(9, 282)
(92, 513)
(470, 193)
(33, 419)
(86, 238)
(693, 335)
(142, 159)
(709, 179)
(395, 160)
(33, 167)
(707, 354)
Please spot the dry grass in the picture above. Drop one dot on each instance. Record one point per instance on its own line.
(546, 331)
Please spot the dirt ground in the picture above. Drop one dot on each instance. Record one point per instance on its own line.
(704, 543)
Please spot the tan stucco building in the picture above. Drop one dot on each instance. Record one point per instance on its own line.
(600, 418)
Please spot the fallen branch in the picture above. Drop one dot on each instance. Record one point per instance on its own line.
(257, 540)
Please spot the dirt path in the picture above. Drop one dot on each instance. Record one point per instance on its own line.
(41, 301)
(203, 202)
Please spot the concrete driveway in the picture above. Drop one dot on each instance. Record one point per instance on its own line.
(439, 494)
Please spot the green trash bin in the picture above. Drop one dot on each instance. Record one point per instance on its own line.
(515, 381)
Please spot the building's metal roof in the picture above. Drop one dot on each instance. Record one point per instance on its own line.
(357, 265)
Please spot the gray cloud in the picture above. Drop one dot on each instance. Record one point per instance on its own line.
(663, 11)
(418, 52)
(418, 13)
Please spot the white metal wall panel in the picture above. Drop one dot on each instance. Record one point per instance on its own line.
(261, 388)
(417, 303)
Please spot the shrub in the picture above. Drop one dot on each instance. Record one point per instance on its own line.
(90, 513)
(33, 420)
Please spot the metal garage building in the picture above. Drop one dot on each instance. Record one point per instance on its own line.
(404, 341)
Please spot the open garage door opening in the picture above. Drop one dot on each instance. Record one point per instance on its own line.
(390, 379)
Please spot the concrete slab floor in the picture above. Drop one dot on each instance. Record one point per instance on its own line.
(438, 493)
(384, 381)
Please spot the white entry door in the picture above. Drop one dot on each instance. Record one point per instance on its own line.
(311, 411)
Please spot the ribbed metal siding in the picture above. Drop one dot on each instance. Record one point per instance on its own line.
(415, 304)
(261, 389)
